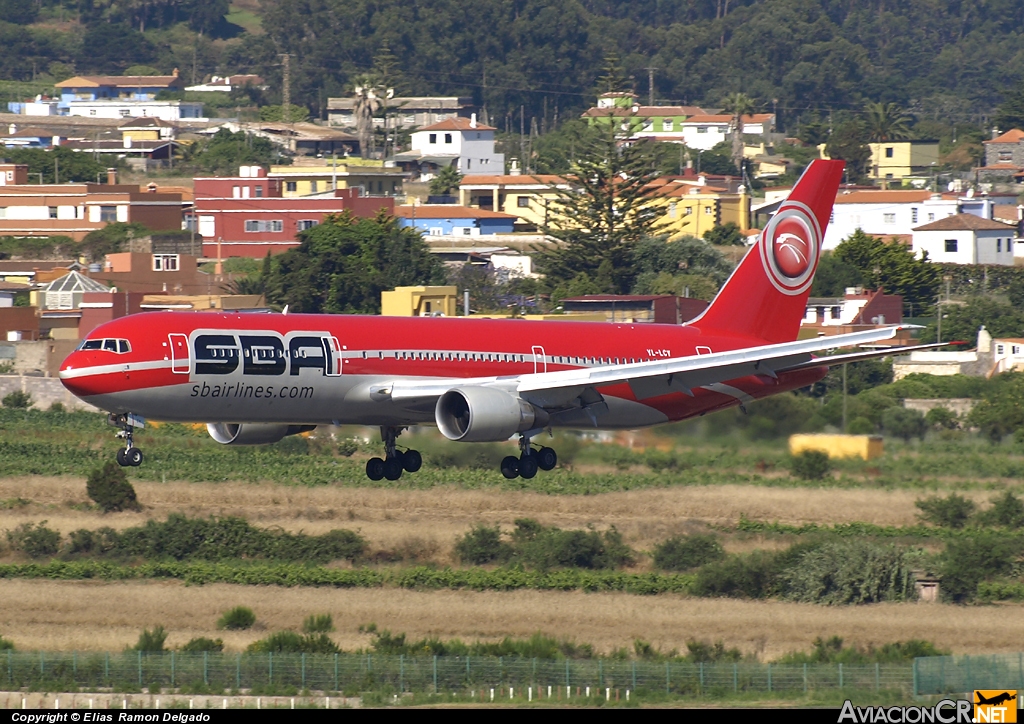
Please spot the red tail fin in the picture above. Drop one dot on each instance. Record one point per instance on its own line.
(766, 297)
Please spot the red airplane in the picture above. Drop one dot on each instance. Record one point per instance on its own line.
(255, 378)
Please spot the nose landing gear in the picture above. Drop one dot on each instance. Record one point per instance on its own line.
(395, 461)
(129, 455)
(529, 461)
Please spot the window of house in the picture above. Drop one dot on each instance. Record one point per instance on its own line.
(931, 217)
(913, 215)
(523, 202)
(92, 111)
(687, 211)
(258, 191)
(447, 138)
(432, 138)
(258, 226)
(999, 245)
(236, 192)
(950, 244)
(888, 175)
(672, 210)
(1006, 155)
(707, 211)
(313, 187)
(888, 152)
(53, 212)
(307, 224)
(835, 312)
(666, 125)
(467, 231)
(889, 218)
(999, 349)
(702, 129)
(165, 262)
(290, 185)
(108, 213)
(3, 212)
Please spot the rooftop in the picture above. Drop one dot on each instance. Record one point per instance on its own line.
(448, 211)
(883, 197)
(458, 124)
(961, 222)
(510, 180)
(1014, 135)
(120, 81)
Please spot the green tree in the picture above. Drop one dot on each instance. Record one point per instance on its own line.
(738, 105)
(834, 275)
(613, 78)
(603, 216)
(904, 423)
(886, 122)
(847, 143)
(342, 265)
(952, 511)
(446, 181)
(892, 266)
(961, 322)
(727, 234)
(1010, 113)
(1001, 410)
(226, 151)
(110, 239)
(70, 165)
(279, 114)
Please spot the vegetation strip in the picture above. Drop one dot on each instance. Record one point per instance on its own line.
(501, 579)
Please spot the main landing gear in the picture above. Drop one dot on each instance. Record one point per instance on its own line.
(395, 461)
(129, 455)
(529, 461)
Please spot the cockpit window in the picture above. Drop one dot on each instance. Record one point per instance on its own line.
(118, 346)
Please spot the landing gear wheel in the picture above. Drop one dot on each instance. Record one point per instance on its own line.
(510, 467)
(547, 458)
(122, 459)
(133, 457)
(528, 466)
(412, 460)
(375, 469)
(392, 468)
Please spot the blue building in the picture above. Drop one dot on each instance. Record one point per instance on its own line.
(128, 96)
(453, 220)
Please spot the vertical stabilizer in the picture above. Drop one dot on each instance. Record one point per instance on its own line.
(766, 297)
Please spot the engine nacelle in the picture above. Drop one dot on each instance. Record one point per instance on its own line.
(485, 414)
(253, 433)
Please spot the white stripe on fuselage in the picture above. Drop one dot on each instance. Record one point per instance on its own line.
(70, 373)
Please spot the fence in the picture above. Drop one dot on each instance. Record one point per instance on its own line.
(428, 674)
(958, 674)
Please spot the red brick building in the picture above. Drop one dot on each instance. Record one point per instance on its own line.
(246, 215)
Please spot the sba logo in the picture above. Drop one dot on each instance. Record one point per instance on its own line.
(995, 705)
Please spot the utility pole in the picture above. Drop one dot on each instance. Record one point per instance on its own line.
(522, 137)
(844, 398)
(286, 91)
(650, 86)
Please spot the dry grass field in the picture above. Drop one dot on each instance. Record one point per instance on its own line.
(62, 615)
(389, 518)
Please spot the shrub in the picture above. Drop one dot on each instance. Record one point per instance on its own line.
(860, 426)
(849, 572)
(942, 417)
(903, 423)
(109, 488)
(201, 644)
(289, 642)
(682, 553)
(34, 540)
(1007, 510)
(348, 447)
(951, 512)
(56, 407)
(151, 641)
(18, 400)
(318, 623)
(739, 576)
(708, 653)
(545, 548)
(482, 545)
(6, 644)
(99, 541)
(968, 561)
(811, 465)
(238, 618)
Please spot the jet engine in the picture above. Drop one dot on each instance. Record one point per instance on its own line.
(253, 433)
(485, 414)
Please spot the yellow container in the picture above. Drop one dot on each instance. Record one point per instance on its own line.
(867, 447)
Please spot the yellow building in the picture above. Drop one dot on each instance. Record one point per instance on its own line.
(690, 209)
(867, 447)
(895, 160)
(344, 173)
(528, 197)
(419, 302)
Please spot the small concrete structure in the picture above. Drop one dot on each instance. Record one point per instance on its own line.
(419, 302)
(866, 447)
(927, 587)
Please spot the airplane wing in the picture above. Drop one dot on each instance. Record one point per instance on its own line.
(557, 390)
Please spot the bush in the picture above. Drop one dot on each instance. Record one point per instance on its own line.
(739, 576)
(682, 553)
(201, 644)
(18, 400)
(289, 642)
(482, 545)
(950, 512)
(545, 548)
(811, 465)
(849, 572)
(239, 618)
(704, 652)
(348, 447)
(6, 644)
(151, 641)
(1007, 510)
(97, 542)
(318, 623)
(109, 488)
(942, 418)
(34, 540)
(860, 426)
(903, 423)
(968, 561)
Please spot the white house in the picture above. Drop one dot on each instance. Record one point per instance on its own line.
(170, 111)
(965, 239)
(461, 142)
(704, 132)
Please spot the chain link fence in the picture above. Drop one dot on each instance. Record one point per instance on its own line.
(427, 674)
(959, 674)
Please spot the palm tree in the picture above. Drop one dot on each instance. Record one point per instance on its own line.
(886, 122)
(368, 100)
(739, 105)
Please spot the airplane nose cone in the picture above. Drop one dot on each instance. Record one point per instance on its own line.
(74, 375)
